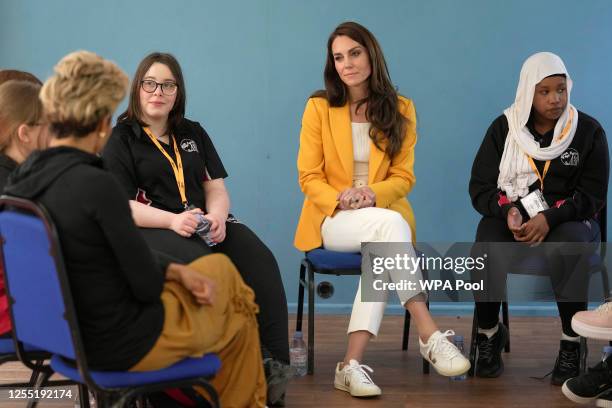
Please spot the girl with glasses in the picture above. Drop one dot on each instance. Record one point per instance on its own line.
(136, 312)
(170, 170)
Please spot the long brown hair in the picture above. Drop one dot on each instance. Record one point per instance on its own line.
(134, 110)
(382, 103)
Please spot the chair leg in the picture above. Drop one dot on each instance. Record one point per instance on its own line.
(300, 305)
(311, 300)
(212, 400)
(35, 373)
(41, 381)
(583, 354)
(406, 330)
(425, 362)
(506, 321)
(83, 396)
(473, 344)
(606, 285)
(212, 392)
(605, 282)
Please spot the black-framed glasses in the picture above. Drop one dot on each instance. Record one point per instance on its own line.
(150, 86)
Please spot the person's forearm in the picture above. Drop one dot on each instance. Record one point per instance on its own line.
(150, 217)
(173, 272)
(217, 200)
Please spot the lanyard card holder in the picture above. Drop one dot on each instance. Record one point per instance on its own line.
(534, 203)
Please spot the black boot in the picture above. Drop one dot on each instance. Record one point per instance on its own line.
(489, 363)
(568, 362)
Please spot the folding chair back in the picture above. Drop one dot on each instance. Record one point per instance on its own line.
(34, 286)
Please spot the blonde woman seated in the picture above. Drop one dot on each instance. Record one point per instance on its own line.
(355, 168)
(133, 312)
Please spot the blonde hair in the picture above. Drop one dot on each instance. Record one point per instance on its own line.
(19, 105)
(84, 90)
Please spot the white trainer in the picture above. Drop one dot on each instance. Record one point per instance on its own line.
(443, 355)
(353, 379)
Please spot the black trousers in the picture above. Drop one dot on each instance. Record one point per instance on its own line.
(567, 268)
(256, 265)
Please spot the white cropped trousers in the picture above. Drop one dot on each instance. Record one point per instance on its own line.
(345, 232)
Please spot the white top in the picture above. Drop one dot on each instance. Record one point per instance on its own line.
(361, 153)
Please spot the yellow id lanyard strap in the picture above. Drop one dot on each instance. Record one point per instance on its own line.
(535, 170)
(177, 167)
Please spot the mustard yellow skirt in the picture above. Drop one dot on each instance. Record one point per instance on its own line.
(228, 328)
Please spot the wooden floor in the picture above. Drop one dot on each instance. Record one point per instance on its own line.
(535, 343)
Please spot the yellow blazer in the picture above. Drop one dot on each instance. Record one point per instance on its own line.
(325, 168)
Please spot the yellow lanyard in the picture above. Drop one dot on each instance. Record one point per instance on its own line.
(562, 135)
(177, 167)
(535, 170)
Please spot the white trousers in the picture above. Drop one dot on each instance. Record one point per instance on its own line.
(345, 232)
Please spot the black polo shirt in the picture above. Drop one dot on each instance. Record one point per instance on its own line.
(145, 172)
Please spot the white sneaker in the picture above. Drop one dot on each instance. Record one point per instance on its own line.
(353, 379)
(443, 355)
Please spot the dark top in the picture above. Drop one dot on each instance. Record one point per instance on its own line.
(575, 187)
(145, 173)
(115, 282)
(7, 165)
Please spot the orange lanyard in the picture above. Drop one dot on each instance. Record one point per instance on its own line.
(535, 170)
(563, 133)
(177, 167)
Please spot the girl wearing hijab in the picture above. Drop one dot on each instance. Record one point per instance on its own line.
(541, 174)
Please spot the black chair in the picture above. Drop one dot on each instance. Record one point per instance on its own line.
(597, 263)
(336, 263)
(43, 315)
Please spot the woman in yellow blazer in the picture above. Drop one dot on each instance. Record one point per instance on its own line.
(355, 166)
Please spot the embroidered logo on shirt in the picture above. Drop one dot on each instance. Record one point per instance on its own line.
(189, 145)
(570, 157)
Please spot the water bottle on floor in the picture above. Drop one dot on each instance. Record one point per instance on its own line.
(298, 354)
(607, 352)
(458, 342)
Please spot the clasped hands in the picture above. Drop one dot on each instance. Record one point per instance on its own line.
(531, 232)
(185, 224)
(356, 197)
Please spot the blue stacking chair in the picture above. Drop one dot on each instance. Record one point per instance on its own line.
(44, 317)
(328, 262)
(536, 264)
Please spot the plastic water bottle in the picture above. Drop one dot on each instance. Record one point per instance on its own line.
(298, 354)
(458, 342)
(203, 227)
(607, 352)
